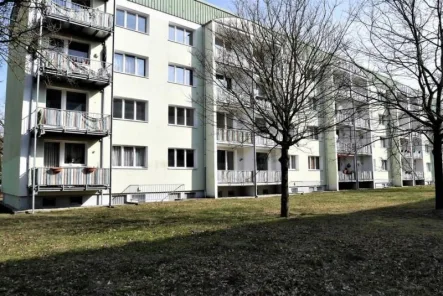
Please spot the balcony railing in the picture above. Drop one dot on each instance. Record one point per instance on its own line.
(244, 177)
(362, 176)
(75, 67)
(70, 178)
(347, 120)
(235, 177)
(419, 175)
(349, 148)
(268, 176)
(407, 176)
(73, 121)
(234, 136)
(73, 12)
(417, 155)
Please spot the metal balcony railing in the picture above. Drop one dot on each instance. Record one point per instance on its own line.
(419, 175)
(349, 148)
(62, 64)
(242, 177)
(73, 121)
(268, 176)
(70, 178)
(234, 136)
(417, 155)
(362, 176)
(347, 120)
(407, 176)
(83, 15)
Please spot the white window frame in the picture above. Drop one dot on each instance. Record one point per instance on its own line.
(226, 152)
(63, 150)
(64, 94)
(291, 167)
(186, 112)
(186, 30)
(383, 142)
(145, 166)
(146, 59)
(381, 119)
(135, 109)
(175, 159)
(428, 167)
(384, 167)
(309, 163)
(137, 15)
(427, 148)
(313, 135)
(184, 75)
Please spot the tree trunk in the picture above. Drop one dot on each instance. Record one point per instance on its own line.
(284, 163)
(438, 171)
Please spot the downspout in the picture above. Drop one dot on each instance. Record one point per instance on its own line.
(112, 106)
(37, 97)
(205, 178)
(253, 139)
(357, 185)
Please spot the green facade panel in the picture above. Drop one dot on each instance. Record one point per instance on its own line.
(195, 11)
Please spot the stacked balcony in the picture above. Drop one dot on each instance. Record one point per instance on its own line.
(248, 177)
(87, 21)
(345, 120)
(70, 179)
(351, 177)
(349, 148)
(238, 137)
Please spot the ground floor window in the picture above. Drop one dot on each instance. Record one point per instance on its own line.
(181, 158)
(70, 153)
(262, 161)
(314, 162)
(225, 160)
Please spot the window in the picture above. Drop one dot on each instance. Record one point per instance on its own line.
(314, 104)
(225, 160)
(131, 65)
(262, 161)
(181, 116)
(125, 156)
(384, 142)
(181, 158)
(80, 50)
(180, 75)
(428, 166)
(132, 21)
(180, 35)
(260, 124)
(314, 162)
(427, 148)
(381, 119)
(293, 162)
(130, 109)
(75, 153)
(313, 132)
(384, 164)
(224, 121)
(76, 200)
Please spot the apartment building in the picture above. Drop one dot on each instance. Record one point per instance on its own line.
(110, 115)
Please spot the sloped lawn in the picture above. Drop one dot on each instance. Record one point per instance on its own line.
(373, 242)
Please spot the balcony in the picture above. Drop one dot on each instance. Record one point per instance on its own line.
(81, 70)
(419, 175)
(362, 176)
(78, 18)
(234, 136)
(417, 155)
(70, 179)
(247, 177)
(407, 176)
(349, 149)
(344, 119)
(72, 122)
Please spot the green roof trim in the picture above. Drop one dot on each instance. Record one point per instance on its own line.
(196, 11)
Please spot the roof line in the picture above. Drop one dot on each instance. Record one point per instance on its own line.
(215, 6)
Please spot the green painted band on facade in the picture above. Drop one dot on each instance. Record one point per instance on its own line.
(191, 10)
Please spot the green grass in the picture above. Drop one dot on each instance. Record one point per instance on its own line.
(378, 242)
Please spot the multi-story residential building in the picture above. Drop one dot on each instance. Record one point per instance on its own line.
(109, 115)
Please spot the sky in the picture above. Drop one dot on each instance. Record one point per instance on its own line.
(3, 68)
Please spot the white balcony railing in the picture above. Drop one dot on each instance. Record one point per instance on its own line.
(75, 121)
(347, 120)
(76, 67)
(362, 176)
(349, 148)
(234, 136)
(419, 175)
(418, 155)
(268, 176)
(70, 177)
(235, 177)
(73, 12)
(407, 176)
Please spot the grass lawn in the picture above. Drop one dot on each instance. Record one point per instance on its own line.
(379, 242)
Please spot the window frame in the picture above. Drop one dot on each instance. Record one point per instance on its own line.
(185, 167)
(185, 116)
(191, 78)
(317, 161)
(383, 142)
(122, 166)
(146, 103)
(62, 153)
(313, 135)
(137, 15)
(136, 58)
(290, 166)
(185, 30)
(384, 165)
(429, 167)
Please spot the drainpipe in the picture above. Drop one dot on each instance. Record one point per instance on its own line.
(253, 141)
(112, 108)
(354, 130)
(37, 97)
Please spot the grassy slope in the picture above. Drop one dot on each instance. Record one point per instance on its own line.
(382, 242)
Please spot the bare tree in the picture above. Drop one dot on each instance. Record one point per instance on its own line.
(399, 48)
(273, 71)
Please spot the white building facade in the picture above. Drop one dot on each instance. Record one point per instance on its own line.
(110, 115)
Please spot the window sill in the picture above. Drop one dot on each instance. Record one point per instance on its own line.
(176, 125)
(133, 75)
(182, 169)
(314, 170)
(130, 120)
(191, 86)
(144, 33)
(129, 168)
(187, 45)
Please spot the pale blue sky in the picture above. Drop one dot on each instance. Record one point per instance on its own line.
(226, 4)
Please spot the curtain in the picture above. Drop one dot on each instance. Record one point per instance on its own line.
(118, 62)
(140, 157)
(52, 154)
(130, 64)
(128, 155)
(116, 156)
(141, 67)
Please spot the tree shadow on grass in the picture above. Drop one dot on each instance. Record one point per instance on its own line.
(387, 251)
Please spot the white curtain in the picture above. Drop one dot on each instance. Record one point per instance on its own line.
(128, 155)
(52, 154)
(116, 156)
(140, 157)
